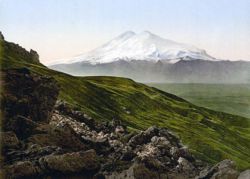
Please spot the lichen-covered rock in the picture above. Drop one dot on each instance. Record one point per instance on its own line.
(153, 163)
(225, 169)
(119, 130)
(245, 174)
(143, 137)
(66, 109)
(151, 131)
(185, 166)
(98, 141)
(71, 162)
(160, 142)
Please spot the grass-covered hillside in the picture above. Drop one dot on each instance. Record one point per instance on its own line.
(210, 135)
(230, 98)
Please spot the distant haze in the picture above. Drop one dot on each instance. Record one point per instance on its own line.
(61, 29)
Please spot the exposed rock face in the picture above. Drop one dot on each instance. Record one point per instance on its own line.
(27, 95)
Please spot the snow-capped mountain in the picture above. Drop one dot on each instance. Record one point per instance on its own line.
(146, 57)
(143, 46)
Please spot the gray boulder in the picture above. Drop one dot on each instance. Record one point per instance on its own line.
(143, 137)
(245, 174)
(225, 169)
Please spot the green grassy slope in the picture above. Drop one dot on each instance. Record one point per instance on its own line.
(230, 98)
(212, 136)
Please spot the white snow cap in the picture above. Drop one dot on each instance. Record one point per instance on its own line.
(142, 46)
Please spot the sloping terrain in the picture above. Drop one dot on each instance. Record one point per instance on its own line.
(211, 135)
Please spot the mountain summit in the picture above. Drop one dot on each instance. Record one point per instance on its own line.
(142, 46)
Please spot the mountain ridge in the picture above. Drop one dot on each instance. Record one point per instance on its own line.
(182, 71)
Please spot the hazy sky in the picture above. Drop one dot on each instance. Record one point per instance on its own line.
(64, 28)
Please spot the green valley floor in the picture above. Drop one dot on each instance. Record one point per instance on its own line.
(229, 98)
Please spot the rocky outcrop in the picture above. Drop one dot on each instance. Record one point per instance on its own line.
(155, 151)
(65, 109)
(27, 97)
(14, 51)
(34, 56)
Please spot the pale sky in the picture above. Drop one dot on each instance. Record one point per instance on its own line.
(59, 29)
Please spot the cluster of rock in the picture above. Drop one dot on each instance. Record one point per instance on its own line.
(44, 138)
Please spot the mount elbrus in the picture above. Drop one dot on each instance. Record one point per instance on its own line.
(147, 57)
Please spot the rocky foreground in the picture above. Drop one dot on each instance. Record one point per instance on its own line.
(43, 137)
